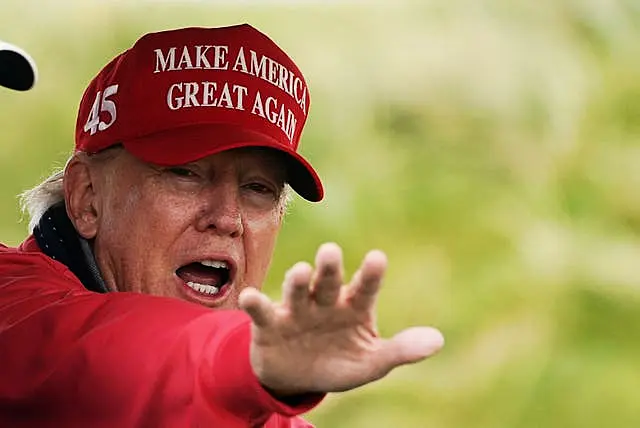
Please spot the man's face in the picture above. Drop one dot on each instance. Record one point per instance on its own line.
(199, 232)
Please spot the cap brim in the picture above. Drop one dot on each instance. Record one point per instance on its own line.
(188, 144)
(17, 69)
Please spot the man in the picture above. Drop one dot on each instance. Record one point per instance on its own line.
(186, 145)
(17, 69)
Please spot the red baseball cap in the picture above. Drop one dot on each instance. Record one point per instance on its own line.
(179, 95)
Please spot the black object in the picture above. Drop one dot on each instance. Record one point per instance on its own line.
(58, 239)
(17, 71)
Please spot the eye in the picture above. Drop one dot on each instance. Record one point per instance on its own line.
(260, 188)
(181, 172)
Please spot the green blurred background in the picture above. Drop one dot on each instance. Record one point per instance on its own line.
(489, 147)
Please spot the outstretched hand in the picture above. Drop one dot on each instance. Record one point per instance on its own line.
(322, 337)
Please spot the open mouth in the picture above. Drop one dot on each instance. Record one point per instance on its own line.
(207, 277)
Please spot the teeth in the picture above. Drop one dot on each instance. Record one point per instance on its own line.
(203, 288)
(215, 264)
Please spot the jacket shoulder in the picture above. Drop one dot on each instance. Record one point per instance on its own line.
(26, 265)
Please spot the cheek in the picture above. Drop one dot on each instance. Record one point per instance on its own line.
(144, 217)
(123, 212)
(260, 237)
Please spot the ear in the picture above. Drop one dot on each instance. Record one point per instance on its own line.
(80, 197)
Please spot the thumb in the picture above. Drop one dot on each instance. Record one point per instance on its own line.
(412, 345)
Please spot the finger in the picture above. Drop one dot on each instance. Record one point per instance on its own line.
(257, 305)
(295, 289)
(327, 280)
(410, 346)
(366, 281)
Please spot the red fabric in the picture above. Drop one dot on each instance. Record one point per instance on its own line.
(74, 358)
(231, 86)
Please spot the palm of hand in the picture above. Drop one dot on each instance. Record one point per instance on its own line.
(323, 337)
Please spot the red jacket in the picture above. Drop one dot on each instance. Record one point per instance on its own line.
(75, 358)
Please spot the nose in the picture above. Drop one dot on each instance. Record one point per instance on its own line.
(221, 211)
